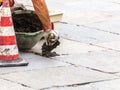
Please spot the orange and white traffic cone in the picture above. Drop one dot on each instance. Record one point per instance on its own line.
(9, 55)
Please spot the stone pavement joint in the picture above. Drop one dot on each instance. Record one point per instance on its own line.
(72, 64)
(78, 84)
(92, 44)
(66, 62)
(101, 70)
(73, 75)
(16, 82)
(79, 25)
(100, 29)
(104, 47)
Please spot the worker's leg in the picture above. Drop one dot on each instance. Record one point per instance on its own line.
(42, 12)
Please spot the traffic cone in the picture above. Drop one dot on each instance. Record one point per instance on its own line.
(9, 54)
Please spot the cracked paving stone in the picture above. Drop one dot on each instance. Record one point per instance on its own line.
(104, 61)
(105, 85)
(59, 76)
(8, 85)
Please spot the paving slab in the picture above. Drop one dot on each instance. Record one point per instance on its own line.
(85, 34)
(111, 26)
(35, 62)
(106, 85)
(104, 61)
(8, 85)
(73, 47)
(60, 76)
(115, 45)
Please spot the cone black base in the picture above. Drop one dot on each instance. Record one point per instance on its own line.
(13, 63)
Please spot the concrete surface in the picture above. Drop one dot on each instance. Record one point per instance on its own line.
(59, 76)
(89, 51)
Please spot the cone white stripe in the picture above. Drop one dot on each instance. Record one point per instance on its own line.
(5, 11)
(8, 50)
(7, 31)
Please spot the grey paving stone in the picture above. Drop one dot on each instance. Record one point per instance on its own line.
(115, 45)
(106, 61)
(8, 85)
(86, 35)
(111, 26)
(59, 76)
(106, 85)
(72, 47)
(35, 62)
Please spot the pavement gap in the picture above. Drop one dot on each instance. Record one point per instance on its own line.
(103, 47)
(67, 62)
(101, 70)
(16, 83)
(100, 29)
(86, 67)
(79, 84)
(92, 44)
(91, 28)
